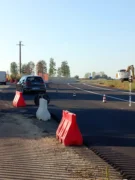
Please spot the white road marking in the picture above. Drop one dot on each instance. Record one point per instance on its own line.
(92, 92)
(107, 89)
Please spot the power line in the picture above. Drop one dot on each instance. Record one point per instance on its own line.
(20, 55)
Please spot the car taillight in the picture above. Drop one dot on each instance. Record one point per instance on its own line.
(27, 83)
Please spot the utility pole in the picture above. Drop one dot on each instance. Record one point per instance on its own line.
(20, 55)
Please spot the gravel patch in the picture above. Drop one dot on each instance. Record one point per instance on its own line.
(29, 150)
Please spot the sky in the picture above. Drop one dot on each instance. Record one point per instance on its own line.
(91, 35)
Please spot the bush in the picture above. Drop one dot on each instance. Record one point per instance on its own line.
(77, 77)
(18, 78)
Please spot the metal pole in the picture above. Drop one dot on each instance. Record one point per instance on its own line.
(130, 89)
(20, 56)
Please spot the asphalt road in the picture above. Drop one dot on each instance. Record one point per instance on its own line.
(107, 128)
(22, 147)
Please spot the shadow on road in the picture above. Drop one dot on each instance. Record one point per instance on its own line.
(99, 127)
(22, 123)
(9, 96)
(108, 132)
(66, 94)
(104, 127)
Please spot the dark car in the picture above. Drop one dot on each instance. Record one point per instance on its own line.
(31, 83)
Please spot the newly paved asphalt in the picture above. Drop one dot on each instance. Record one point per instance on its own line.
(107, 128)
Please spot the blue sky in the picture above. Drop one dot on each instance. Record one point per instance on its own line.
(91, 35)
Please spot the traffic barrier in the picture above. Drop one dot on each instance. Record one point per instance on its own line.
(104, 98)
(42, 112)
(11, 81)
(19, 100)
(15, 82)
(68, 131)
(38, 96)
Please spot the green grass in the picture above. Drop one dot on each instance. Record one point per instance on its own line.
(111, 83)
(2, 86)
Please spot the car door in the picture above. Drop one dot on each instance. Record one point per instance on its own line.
(20, 84)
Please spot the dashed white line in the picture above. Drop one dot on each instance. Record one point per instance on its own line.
(92, 92)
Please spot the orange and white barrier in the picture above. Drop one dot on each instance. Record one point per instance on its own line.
(68, 131)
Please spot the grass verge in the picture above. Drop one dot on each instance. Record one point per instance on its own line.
(111, 83)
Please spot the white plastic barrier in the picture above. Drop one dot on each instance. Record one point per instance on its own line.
(42, 112)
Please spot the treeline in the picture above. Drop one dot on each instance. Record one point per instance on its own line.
(40, 67)
(99, 75)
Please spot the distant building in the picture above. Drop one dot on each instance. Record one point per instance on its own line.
(44, 76)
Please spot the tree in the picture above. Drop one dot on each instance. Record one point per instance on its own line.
(102, 73)
(24, 69)
(65, 69)
(93, 74)
(97, 76)
(59, 74)
(105, 76)
(52, 68)
(87, 75)
(30, 67)
(14, 69)
(76, 77)
(41, 67)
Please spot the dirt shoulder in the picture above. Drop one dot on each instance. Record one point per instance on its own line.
(29, 150)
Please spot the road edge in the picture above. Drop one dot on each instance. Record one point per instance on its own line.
(94, 151)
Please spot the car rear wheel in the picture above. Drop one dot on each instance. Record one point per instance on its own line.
(38, 96)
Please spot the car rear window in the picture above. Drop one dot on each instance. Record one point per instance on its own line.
(35, 79)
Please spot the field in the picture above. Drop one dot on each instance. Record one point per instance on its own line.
(111, 83)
